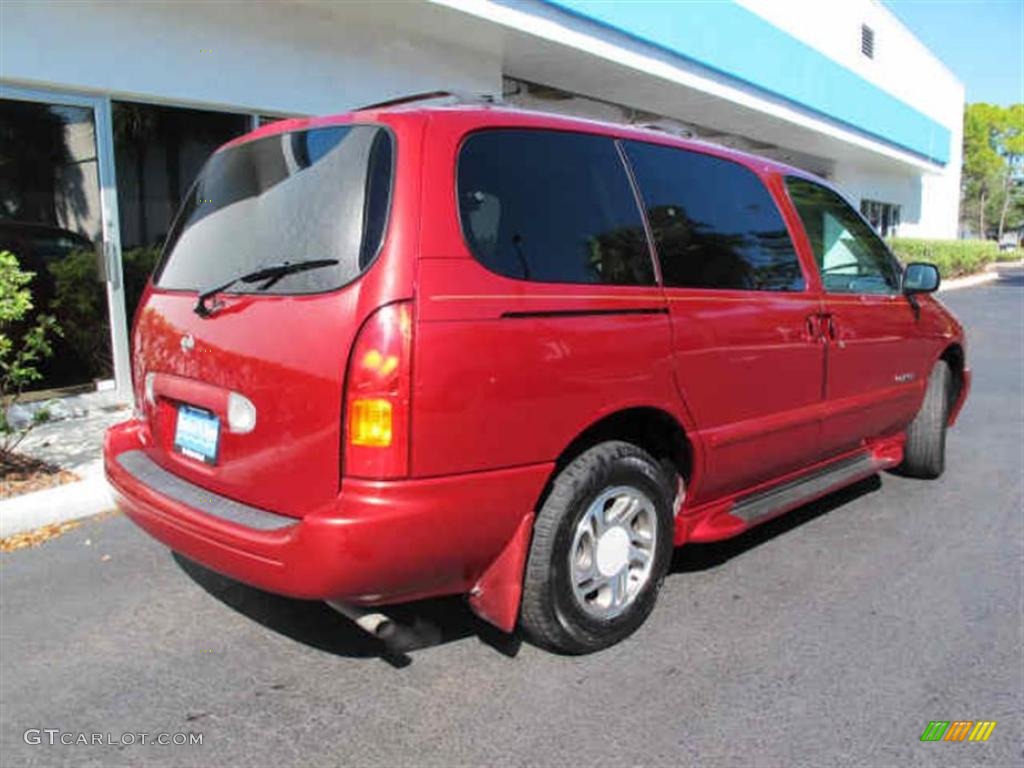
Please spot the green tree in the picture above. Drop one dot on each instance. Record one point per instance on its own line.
(1012, 139)
(993, 167)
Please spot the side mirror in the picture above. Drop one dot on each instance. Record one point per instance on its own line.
(920, 277)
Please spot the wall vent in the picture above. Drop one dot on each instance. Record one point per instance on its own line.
(867, 41)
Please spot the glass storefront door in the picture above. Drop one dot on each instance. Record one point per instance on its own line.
(57, 215)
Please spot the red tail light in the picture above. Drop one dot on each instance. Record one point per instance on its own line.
(377, 395)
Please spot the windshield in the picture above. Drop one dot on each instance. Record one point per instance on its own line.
(316, 194)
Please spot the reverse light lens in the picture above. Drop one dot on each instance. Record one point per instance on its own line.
(370, 423)
(241, 414)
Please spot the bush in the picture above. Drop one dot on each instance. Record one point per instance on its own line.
(80, 302)
(24, 342)
(953, 257)
(80, 306)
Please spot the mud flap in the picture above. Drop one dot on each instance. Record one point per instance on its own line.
(495, 597)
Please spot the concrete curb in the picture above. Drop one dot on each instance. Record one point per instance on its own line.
(967, 282)
(991, 273)
(70, 501)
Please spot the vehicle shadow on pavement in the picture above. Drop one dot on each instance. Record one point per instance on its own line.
(702, 557)
(444, 620)
(313, 623)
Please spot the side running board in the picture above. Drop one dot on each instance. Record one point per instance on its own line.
(761, 505)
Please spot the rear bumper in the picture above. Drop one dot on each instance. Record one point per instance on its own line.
(377, 542)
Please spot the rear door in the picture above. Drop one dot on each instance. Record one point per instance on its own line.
(540, 313)
(247, 400)
(748, 361)
(876, 353)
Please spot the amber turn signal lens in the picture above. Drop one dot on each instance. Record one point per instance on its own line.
(370, 422)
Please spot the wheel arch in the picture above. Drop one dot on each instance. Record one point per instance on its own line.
(953, 356)
(497, 594)
(653, 429)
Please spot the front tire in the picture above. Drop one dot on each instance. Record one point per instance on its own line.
(925, 452)
(602, 543)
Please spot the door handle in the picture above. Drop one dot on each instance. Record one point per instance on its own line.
(832, 331)
(830, 324)
(822, 327)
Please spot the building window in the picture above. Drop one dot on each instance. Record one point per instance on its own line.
(884, 217)
(867, 41)
(50, 219)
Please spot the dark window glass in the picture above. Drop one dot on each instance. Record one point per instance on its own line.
(318, 194)
(714, 223)
(850, 256)
(551, 207)
(50, 219)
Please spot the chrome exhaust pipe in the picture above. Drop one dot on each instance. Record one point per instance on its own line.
(396, 636)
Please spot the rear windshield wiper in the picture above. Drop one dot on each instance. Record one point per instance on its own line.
(267, 275)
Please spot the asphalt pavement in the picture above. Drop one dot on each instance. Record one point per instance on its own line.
(831, 636)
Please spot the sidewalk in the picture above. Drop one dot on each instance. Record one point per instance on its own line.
(72, 443)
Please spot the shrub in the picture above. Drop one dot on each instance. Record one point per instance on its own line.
(80, 302)
(23, 343)
(80, 305)
(952, 257)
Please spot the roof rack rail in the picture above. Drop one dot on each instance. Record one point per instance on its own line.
(458, 97)
(674, 130)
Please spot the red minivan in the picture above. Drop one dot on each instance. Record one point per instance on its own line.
(416, 351)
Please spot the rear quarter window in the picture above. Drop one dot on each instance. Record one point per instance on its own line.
(317, 194)
(551, 206)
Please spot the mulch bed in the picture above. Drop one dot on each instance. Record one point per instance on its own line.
(23, 474)
(36, 537)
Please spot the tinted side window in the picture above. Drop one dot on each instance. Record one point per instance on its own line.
(714, 223)
(850, 256)
(551, 207)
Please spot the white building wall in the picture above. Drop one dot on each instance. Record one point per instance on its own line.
(292, 58)
(307, 57)
(904, 67)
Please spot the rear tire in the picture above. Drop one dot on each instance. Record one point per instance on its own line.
(925, 452)
(602, 543)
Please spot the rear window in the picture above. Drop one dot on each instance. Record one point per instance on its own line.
(317, 194)
(551, 206)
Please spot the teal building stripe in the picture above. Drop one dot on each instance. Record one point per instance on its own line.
(729, 39)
